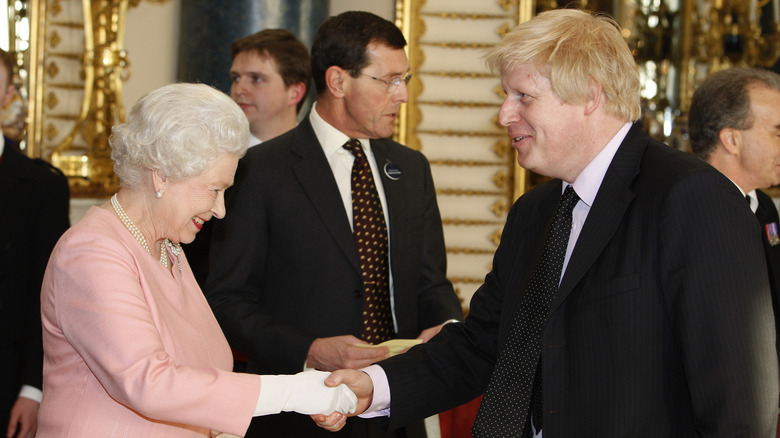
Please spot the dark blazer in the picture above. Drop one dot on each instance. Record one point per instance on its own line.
(283, 266)
(35, 201)
(770, 235)
(662, 326)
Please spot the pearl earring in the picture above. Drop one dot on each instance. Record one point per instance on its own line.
(159, 194)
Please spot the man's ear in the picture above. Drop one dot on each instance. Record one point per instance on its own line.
(336, 80)
(731, 139)
(296, 93)
(595, 100)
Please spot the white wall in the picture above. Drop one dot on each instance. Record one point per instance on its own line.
(151, 41)
(383, 8)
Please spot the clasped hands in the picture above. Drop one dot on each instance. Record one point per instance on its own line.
(340, 353)
(360, 384)
(305, 393)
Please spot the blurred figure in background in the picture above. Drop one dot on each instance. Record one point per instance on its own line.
(734, 124)
(269, 79)
(35, 199)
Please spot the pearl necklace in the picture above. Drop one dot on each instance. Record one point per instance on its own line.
(175, 248)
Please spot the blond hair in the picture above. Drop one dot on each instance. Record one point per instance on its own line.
(571, 48)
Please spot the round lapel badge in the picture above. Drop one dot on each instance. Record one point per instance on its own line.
(392, 171)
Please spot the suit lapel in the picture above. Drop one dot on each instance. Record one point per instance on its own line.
(606, 213)
(395, 190)
(530, 250)
(316, 178)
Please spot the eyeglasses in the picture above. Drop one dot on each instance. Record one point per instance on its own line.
(392, 83)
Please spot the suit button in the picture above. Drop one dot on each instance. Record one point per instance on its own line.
(357, 293)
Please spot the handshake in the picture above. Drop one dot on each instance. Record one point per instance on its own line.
(360, 386)
(325, 396)
(328, 398)
(305, 393)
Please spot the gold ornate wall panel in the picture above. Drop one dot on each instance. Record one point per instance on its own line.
(56, 73)
(452, 117)
(77, 67)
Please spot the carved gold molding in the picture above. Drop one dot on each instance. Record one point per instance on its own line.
(451, 116)
(455, 221)
(474, 280)
(470, 192)
(77, 63)
(470, 251)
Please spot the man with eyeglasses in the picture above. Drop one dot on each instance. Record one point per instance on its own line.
(288, 279)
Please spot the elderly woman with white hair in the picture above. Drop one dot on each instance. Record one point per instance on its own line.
(131, 347)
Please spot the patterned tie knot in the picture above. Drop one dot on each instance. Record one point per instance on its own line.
(353, 145)
(568, 201)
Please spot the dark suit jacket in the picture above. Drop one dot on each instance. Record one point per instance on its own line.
(35, 199)
(283, 266)
(770, 225)
(662, 326)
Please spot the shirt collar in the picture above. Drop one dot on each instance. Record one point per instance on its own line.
(753, 197)
(331, 139)
(254, 141)
(589, 180)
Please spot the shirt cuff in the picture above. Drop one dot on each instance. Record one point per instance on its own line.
(31, 392)
(380, 405)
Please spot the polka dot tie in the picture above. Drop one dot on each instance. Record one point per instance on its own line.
(514, 391)
(369, 232)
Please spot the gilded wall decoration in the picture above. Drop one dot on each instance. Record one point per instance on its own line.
(452, 118)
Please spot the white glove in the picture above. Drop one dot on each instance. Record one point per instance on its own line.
(304, 393)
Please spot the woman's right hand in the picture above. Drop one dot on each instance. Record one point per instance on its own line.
(304, 393)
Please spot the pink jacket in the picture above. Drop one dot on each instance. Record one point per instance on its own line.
(132, 349)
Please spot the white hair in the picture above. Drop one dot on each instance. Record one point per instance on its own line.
(180, 130)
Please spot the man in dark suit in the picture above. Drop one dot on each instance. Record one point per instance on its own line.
(35, 199)
(285, 279)
(269, 80)
(660, 321)
(734, 122)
